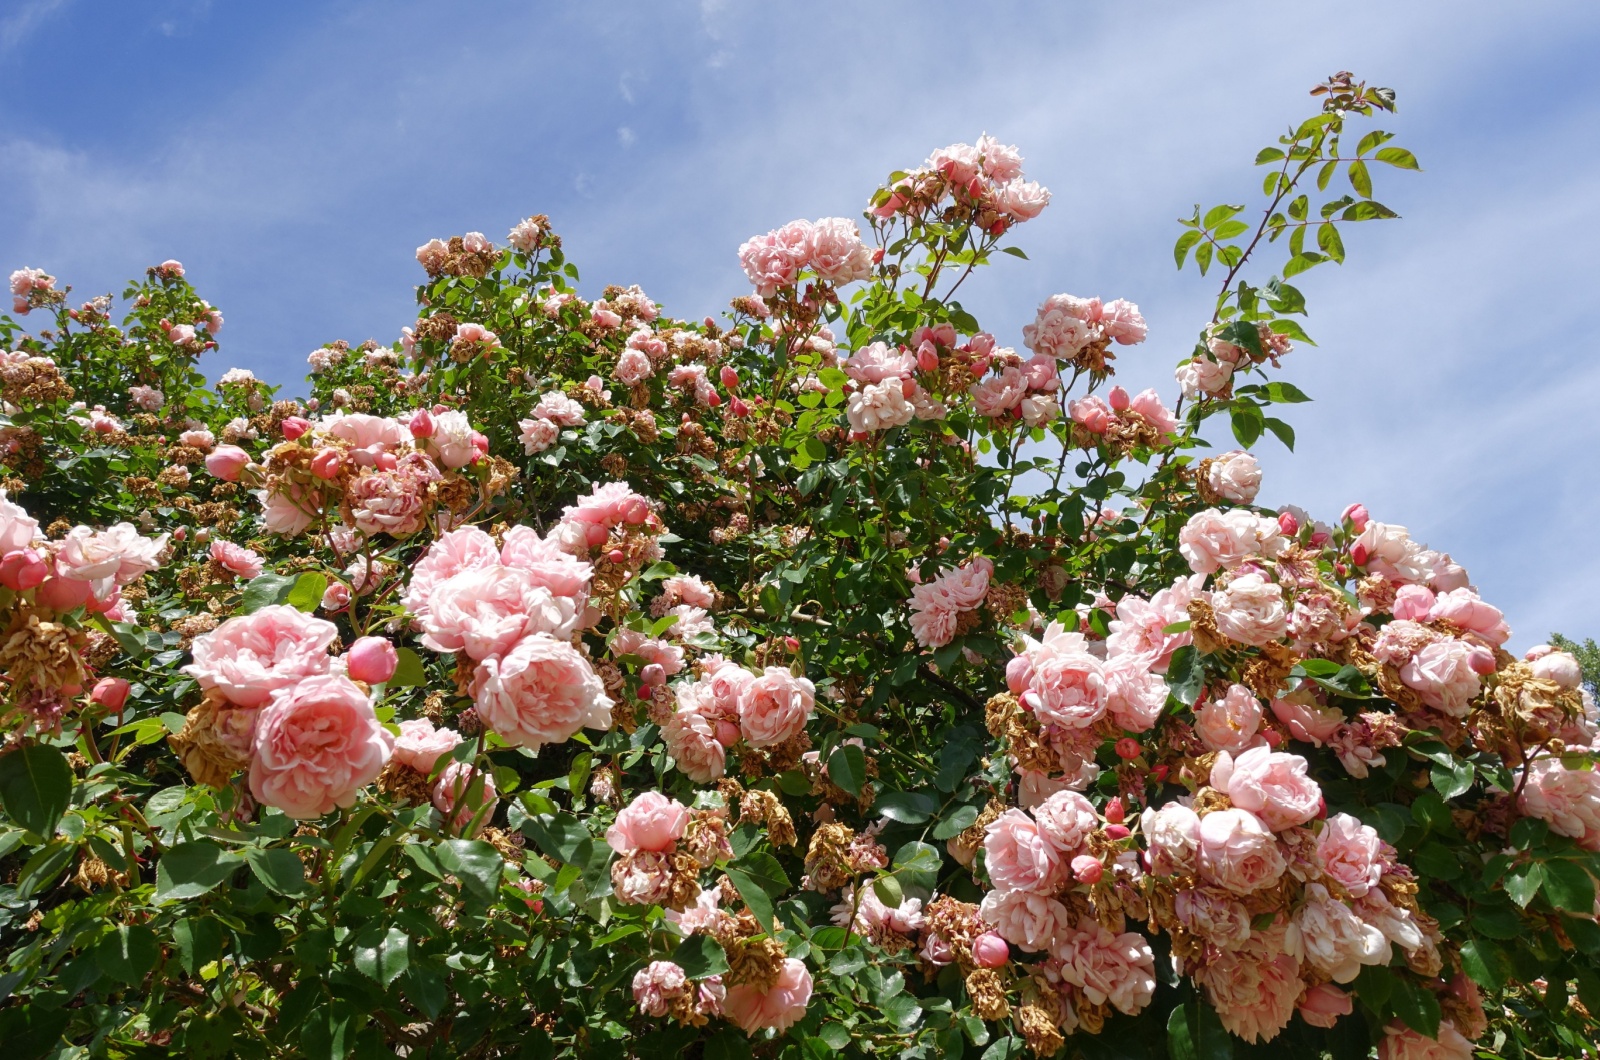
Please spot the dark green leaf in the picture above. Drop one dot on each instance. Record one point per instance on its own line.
(281, 871)
(1185, 676)
(1453, 779)
(700, 956)
(1195, 1033)
(955, 822)
(263, 590)
(408, 672)
(35, 787)
(1416, 1005)
(1568, 886)
(560, 835)
(382, 955)
(907, 807)
(306, 595)
(478, 864)
(847, 767)
(191, 869)
(760, 881)
(128, 953)
(1523, 882)
(1485, 963)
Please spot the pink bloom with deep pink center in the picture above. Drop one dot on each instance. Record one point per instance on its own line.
(1025, 919)
(1238, 852)
(658, 984)
(1230, 723)
(250, 657)
(1065, 684)
(540, 692)
(1351, 853)
(1568, 799)
(316, 744)
(1445, 674)
(1119, 968)
(1020, 858)
(774, 707)
(1464, 608)
(1140, 626)
(998, 394)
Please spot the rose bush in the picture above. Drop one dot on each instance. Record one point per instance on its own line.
(570, 679)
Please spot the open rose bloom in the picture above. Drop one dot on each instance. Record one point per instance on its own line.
(580, 676)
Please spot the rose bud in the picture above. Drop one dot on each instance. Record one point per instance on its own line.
(1118, 399)
(738, 407)
(989, 950)
(421, 424)
(727, 732)
(23, 569)
(713, 399)
(1086, 868)
(372, 660)
(653, 674)
(1358, 554)
(62, 594)
(1159, 774)
(181, 534)
(326, 464)
(729, 377)
(1115, 811)
(480, 442)
(293, 427)
(792, 643)
(226, 462)
(110, 693)
(644, 693)
(927, 356)
(1128, 747)
(202, 535)
(616, 556)
(1356, 515)
(1117, 831)
(1288, 525)
(384, 460)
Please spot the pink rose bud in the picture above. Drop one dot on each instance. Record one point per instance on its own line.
(877, 256)
(1117, 831)
(23, 569)
(1159, 774)
(181, 534)
(1115, 811)
(1087, 868)
(859, 436)
(927, 357)
(421, 424)
(727, 732)
(738, 407)
(1272, 736)
(1319, 539)
(372, 660)
(1128, 747)
(384, 460)
(110, 693)
(653, 674)
(709, 323)
(294, 426)
(1481, 660)
(908, 387)
(1356, 515)
(616, 555)
(480, 442)
(792, 643)
(729, 377)
(595, 534)
(1118, 399)
(989, 950)
(227, 461)
(644, 693)
(1288, 524)
(713, 399)
(1358, 554)
(326, 464)
(635, 510)
(202, 535)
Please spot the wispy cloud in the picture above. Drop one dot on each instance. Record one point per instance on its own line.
(27, 16)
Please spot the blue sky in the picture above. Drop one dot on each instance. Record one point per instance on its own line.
(293, 155)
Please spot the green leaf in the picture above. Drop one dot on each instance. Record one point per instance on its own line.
(1180, 250)
(560, 835)
(408, 672)
(1015, 252)
(956, 822)
(1452, 779)
(1280, 430)
(199, 942)
(1398, 157)
(1218, 214)
(1202, 257)
(1568, 886)
(1330, 242)
(700, 956)
(279, 869)
(1268, 154)
(35, 787)
(1346, 681)
(382, 955)
(1523, 882)
(889, 891)
(960, 749)
(760, 881)
(1375, 985)
(478, 864)
(1247, 423)
(1416, 1005)
(847, 767)
(918, 864)
(1486, 963)
(1360, 179)
(190, 869)
(1195, 1033)
(263, 590)
(129, 953)
(907, 807)
(1185, 676)
(306, 595)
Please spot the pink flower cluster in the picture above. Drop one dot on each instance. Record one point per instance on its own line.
(831, 248)
(984, 180)
(728, 703)
(27, 285)
(1102, 417)
(936, 606)
(1210, 374)
(86, 568)
(1066, 325)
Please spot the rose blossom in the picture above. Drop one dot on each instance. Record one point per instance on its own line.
(1464, 608)
(1107, 966)
(1234, 476)
(1031, 921)
(537, 435)
(1558, 666)
(837, 253)
(372, 660)
(1386, 549)
(878, 407)
(1250, 610)
(1271, 784)
(652, 821)
(1332, 939)
(997, 395)
(775, 707)
(420, 744)
(1306, 719)
(460, 792)
(1135, 696)
(1020, 858)
(108, 558)
(1173, 836)
(1351, 853)
(1065, 821)
(1229, 723)
(250, 657)
(468, 548)
(1065, 685)
(1238, 852)
(17, 529)
(1140, 625)
(1444, 674)
(1254, 989)
(691, 740)
(658, 984)
(1402, 1043)
(1212, 540)
(1061, 327)
(1324, 1004)
(236, 558)
(558, 408)
(484, 611)
(1569, 799)
(778, 1008)
(1215, 915)
(1202, 377)
(541, 691)
(316, 744)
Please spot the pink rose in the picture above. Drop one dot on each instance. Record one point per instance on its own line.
(691, 740)
(1465, 609)
(1066, 685)
(1213, 914)
(1388, 550)
(484, 611)
(1402, 1043)
(372, 660)
(838, 255)
(452, 442)
(547, 564)
(1324, 1004)
(1135, 696)
(537, 435)
(236, 558)
(17, 530)
(1022, 200)
(1173, 835)
(775, 707)
(878, 407)
(393, 501)
(1212, 540)
(1445, 672)
(1203, 377)
(1254, 989)
(558, 408)
(1238, 852)
(1412, 603)
(1234, 476)
(1230, 723)
(1091, 413)
(1569, 799)
(459, 550)
(110, 694)
(1351, 853)
(997, 395)
(1031, 921)
(989, 950)
(1147, 403)
(1061, 328)
(1119, 968)
(633, 368)
(778, 1008)
(1312, 722)
(107, 559)
(250, 657)
(1250, 610)
(1328, 936)
(1123, 322)
(420, 745)
(1020, 858)
(541, 691)
(1140, 625)
(1558, 666)
(657, 985)
(1065, 821)
(460, 792)
(316, 744)
(365, 431)
(652, 821)
(1271, 784)
(285, 513)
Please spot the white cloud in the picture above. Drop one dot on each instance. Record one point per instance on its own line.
(625, 136)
